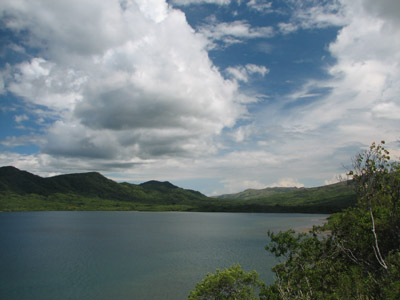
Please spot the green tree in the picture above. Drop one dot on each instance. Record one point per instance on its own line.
(377, 181)
(228, 284)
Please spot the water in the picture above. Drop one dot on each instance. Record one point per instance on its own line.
(130, 255)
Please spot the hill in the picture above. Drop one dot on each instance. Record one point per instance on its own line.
(251, 194)
(329, 198)
(23, 191)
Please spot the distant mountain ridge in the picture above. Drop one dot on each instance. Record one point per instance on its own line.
(337, 195)
(23, 191)
(250, 194)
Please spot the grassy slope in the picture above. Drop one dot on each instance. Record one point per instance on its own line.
(22, 191)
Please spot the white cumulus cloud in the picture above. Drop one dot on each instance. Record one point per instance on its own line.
(124, 79)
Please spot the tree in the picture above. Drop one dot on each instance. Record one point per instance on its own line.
(377, 181)
(228, 284)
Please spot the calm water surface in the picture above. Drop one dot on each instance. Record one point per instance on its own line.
(130, 255)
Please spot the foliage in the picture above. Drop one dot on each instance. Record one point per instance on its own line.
(228, 284)
(359, 257)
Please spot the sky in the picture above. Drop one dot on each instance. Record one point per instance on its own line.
(213, 95)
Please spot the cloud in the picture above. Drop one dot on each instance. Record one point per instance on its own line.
(189, 2)
(68, 31)
(287, 28)
(311, 14)
(256, 69)
(15, 141)
(122, 79)
(2, 89)
(286, 182)
(260, 6)
(386, 9)
(21, 118)
(387, 110)
(360, 101)
(365, 75)
(242, 133)
(233, 32)
(41, 82)
(242, 73)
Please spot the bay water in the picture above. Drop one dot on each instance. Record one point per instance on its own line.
(131, 255)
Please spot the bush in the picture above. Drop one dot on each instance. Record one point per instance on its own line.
(228, 284)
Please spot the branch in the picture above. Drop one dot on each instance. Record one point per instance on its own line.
(348, 252)
(377, 251)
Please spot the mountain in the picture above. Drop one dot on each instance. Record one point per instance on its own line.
(23, 191)
(21, 182)
(159, 186)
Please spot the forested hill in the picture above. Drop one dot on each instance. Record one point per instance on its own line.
(89, 191)
(287, 194)
(23, 191)
(329, 198)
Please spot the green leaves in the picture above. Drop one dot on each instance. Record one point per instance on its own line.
(228, 284)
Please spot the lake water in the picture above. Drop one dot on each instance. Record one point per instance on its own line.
(130, 255)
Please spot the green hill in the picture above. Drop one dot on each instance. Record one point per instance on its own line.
(251, 194)
(23, 191)
(329, 198)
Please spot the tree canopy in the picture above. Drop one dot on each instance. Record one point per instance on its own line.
(227, 284)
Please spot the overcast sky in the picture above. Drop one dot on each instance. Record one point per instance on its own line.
(213, 95)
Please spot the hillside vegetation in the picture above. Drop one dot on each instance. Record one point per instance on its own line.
(23, 191)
